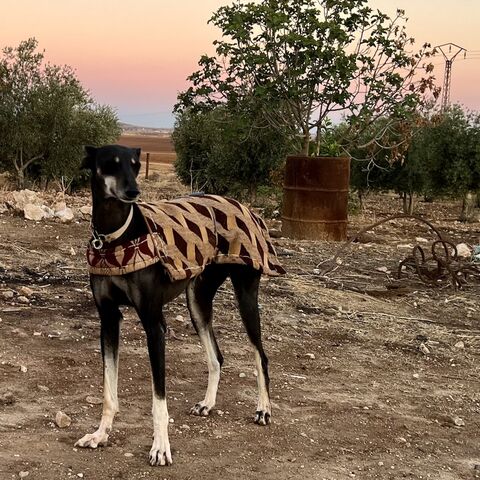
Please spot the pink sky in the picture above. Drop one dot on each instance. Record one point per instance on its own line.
(135, 55)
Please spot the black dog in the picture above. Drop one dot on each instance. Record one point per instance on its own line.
(117, 218)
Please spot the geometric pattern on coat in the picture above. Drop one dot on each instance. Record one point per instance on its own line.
(187, 234)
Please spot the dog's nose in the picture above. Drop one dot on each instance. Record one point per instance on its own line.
(134, 193)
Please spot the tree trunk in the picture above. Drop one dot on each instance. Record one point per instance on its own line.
(404, 201)
(360, 199)
(318, 140)
(21, 178)
(468, 207)
(18, 164)
(252, 193)
(306, 142)
(408, 203)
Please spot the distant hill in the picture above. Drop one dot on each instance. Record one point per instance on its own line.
(128, 129)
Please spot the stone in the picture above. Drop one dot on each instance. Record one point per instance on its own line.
(8, 295)
(62, 420)
(459, 422)
(179, 318)
(28, 292)
(275, 233)
(464, 251)
(310, 355)
(22, 197)
(24, 474)
(66, 215)
(23, 369)
(405, 245)
(424, 349)
(48, 212)
(7, 398)
(43, 388)
(59, 206)
(128, 454)
(33, 212)
(23, 299)
(242, 375)
(383, 269)
(460, 345)
(86, 210)
(93, 400)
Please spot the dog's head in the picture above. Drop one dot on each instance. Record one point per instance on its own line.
(114, 171)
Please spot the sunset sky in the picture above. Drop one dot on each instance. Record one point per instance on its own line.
(136, 55)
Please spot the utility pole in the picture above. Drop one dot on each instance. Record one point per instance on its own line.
(449, 56)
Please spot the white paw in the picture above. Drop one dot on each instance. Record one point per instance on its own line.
(93, 440)
(160, 453)
(201, 409)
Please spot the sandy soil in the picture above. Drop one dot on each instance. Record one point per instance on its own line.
(353, 394)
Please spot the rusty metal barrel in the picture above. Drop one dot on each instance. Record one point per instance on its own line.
(315, 198)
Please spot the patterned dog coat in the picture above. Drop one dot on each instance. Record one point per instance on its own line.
(188, 233)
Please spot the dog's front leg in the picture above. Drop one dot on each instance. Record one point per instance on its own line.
(155, 329)
(110, 317)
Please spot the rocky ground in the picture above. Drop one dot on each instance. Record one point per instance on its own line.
(372, 377)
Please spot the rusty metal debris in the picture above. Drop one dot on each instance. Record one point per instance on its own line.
(443, 267)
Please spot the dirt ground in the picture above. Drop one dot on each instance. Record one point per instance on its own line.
(160, 147)
(353, 394)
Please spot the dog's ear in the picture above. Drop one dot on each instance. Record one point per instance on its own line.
(138, 152)
(89, 160)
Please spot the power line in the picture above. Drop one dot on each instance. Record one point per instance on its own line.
(449, 58)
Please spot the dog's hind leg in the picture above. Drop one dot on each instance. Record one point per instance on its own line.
(246, 281)
(200, 293)
(110, 318)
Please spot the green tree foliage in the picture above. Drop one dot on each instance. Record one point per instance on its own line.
(226, 151)
(309, 59)
(46, 116)
(448, 150)
(443, 159)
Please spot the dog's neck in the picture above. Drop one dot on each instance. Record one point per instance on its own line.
(109, 214)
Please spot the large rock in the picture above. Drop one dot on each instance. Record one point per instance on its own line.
(59, 206)
(49, 213)
(23, 197)
(65, 215)
(33, 212)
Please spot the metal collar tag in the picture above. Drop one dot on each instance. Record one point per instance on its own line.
(99, 238)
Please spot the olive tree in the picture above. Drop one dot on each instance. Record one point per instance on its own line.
(227, 150)
(448, 152)
(46, 116)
